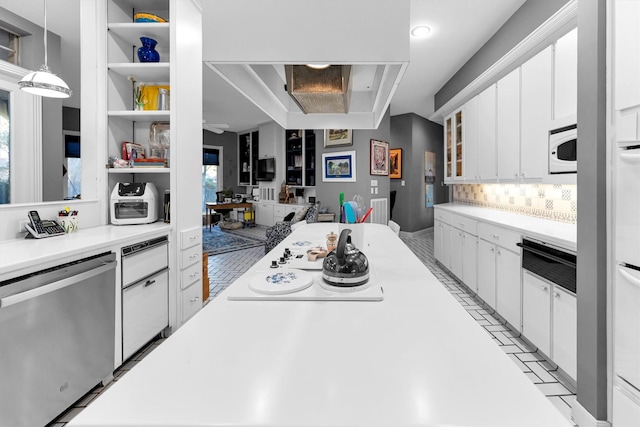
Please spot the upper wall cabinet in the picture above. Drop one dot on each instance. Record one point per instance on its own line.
(536, 92)
(565, 99)
(248, 148)
(454, 146)
(487, 161)
(508, 119)
(300, 153)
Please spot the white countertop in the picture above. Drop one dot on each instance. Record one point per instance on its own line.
(553, 232)
(415, 358)
(24, 256)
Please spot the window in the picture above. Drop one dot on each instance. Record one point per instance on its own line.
(5, 146)
(210, 163)
(72, 170)
(9, 46)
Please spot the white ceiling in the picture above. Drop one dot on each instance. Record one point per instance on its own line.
(458, 29)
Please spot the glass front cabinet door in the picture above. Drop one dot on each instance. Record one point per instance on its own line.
(454, 147)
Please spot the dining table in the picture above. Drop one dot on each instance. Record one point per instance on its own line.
(223, 207)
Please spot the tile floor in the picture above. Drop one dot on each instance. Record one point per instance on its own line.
(224, 269)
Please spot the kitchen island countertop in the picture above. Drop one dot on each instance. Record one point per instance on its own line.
(415, 358)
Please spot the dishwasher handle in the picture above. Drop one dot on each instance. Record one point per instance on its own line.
(54, 286)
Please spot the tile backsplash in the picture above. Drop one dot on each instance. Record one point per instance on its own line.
(556, 202)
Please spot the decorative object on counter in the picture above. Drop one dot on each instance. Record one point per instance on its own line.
(228, 195)
(337, 137)
(395, 163)
(147, 52)
(151, 94)
(317, 252)
(116, 162)
(346, 266)
(339, 166)
(43, 82)
(139, 100)
(332, 241)
(147, 17)
(131, 151)
(281, 282)
(68, 220)
(379, 154)
(163, 99)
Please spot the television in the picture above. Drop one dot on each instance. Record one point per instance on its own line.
(266, 169)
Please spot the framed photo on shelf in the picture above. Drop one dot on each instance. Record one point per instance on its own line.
(395, 163)
(339, 166)
(379, 154)
(337, 137)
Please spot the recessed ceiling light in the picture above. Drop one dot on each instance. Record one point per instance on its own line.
(318, 66)
(421, 31)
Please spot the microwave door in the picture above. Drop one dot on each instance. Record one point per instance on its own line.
(627, 206)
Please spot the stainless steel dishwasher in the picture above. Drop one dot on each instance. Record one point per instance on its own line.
(57, 338)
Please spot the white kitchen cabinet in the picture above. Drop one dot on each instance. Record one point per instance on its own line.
(536, 101)
(487, 272)
(454, 144)
(264, 213)
(564, 331)
(457, 243)
(626, 406)
(508, 126)
(471, 140)
(565, 99)
(443, 247)
(627, 54)
(487, 160)
(536, 312)
(499, 271)
(508, 289)
(463, 256)
(470, 261)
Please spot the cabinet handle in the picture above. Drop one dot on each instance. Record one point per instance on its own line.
(149, 283)
(194, 275)
(517, 175)
(195, 299)
(493, 250)
(544, 288)
(498, 252)
(556, 294)
(193, 238)
(194, 256)
(462, 224)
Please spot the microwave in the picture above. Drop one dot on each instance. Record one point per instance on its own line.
(134, 203)
(563, 144)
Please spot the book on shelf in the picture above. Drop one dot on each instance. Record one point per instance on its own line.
(153, 162)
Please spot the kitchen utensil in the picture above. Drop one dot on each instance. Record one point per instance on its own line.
(349, 213)
(360, 202)
(341, 210)
(364, 218)
(346, 266)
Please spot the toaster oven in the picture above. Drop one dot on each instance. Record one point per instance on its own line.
(134, 203)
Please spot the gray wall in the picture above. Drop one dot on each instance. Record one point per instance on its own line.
(592, 209)
(526, 19)
(415, 135)
(328, 193)
(229, 143)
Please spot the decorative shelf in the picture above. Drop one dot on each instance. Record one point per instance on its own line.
(143, 71)
(132, 31)
(148, 115)
(138, 170)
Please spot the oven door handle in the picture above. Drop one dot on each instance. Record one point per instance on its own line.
(546, 255)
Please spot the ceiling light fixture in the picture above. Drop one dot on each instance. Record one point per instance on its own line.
(420, 31)
(318, 66)
(325, 90)
(43, 82)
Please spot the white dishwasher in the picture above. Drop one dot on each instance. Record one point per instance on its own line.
(145, 293)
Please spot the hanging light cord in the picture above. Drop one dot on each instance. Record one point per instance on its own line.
(45, 34)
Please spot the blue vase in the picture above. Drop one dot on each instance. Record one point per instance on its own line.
(147, 52)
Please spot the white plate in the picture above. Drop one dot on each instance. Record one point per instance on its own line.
(280, 281)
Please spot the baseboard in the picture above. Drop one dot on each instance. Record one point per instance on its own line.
(414, 233)
(583, 418)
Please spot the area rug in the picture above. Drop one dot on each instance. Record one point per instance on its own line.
(217, 241)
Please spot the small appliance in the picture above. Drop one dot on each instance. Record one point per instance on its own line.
(346, 266)
(134, 203)
(563, 150)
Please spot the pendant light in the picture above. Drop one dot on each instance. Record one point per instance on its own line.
(43, 82)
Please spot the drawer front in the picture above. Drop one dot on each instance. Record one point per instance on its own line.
(279, 210)
(191, 256)
(191, 301)
(190, 275)
(465, 224)
(191, 237)
(443, 216)
(141, 264)
(145, 312)
(500, 236)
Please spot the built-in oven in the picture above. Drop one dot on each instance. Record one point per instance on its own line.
(556, 265)
(563, 150)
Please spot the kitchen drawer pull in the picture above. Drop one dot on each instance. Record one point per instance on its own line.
(195, 299)
(629, 277)
(194, 275)
(556, 294)
(544, 288)
(192, 257)
(194, 238)
(149, 283)
(630, 157)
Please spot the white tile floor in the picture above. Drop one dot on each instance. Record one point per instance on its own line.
(224, 269)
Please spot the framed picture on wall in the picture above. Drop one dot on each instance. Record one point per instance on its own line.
(395, 163)
(379, 157)
(337, 137)
(339, 166)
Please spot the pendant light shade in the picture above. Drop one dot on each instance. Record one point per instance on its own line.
(43, 82)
